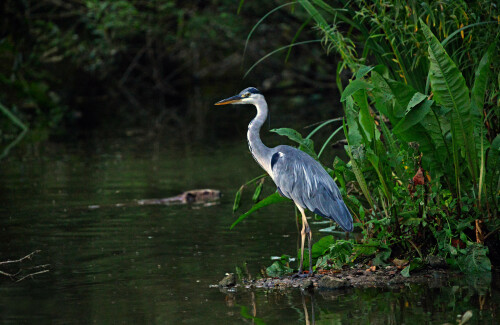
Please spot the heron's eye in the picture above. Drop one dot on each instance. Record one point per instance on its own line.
(245, 95)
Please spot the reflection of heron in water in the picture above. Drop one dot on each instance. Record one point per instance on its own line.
(296, 174)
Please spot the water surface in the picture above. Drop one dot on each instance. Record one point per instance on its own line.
(154, 264)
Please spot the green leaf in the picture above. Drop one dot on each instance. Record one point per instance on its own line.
(450, 90)
(406, 272)
(481, 81)
(416, 264)
(278, 269)
(321, 246)
(365, 119)
(246, 314)
(403, 95)
(271, 199)
(237, 199)
(338, 252)
(415, 100)
(258, 190)
(353, 87)
(353, 135)
(363, 70)
(306, 145)
(414, 116)
(360, 177)
(475, 259)
(383, 95)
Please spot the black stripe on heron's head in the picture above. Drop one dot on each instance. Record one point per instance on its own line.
(251, 90)
(274, 159)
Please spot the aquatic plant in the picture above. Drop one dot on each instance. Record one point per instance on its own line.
(422, 130)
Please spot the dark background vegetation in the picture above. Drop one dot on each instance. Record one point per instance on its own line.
(419, 83)
(146, 68)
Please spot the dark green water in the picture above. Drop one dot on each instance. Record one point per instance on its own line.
(155, 264)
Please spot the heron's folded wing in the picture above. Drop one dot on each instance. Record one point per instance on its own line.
(303, 179)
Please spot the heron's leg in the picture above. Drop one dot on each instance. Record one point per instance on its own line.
(309, 242)
(303, 234)
(302, 238)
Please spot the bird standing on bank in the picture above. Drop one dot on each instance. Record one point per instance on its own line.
(296, 174)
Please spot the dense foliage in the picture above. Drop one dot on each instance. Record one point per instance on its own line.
(421, 123)
(69, 66)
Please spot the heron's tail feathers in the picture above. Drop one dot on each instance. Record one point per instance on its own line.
(342, 216)
(332, 207)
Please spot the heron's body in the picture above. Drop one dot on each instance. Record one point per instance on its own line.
(296, 174)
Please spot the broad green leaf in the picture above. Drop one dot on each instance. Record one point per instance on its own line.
(414, 116)
(278, 269)
(415, 100)
(290, 133)
(450, 90)
(365, 119)
(353, 87)
(306, 145)
(322, 246)
(271, 199)
(403, 94)
(383, 95)
(415, 264)
(336, 251)
(353, 135)
(475, 259)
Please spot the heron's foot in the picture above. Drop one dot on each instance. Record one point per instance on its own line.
(300, 275)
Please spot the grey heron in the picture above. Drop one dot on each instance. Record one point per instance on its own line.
(297, 175)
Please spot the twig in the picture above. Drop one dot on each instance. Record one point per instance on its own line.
(416, 248)
(7, 274)
(31, 275)
(27, 257)
(39, 269)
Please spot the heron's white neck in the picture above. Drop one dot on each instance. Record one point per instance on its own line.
(260, 152)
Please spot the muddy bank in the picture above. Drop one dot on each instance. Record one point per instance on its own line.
(389, 276)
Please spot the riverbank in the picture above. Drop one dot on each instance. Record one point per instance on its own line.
(348, 277)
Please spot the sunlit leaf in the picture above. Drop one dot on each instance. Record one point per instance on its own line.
(271, 199)
(278, 269)
(353, 87)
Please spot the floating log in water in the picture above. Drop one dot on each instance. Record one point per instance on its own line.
(192, 196)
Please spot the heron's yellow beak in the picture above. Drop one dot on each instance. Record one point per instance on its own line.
(229, 100)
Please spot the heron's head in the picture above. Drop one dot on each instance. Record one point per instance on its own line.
(248, 95)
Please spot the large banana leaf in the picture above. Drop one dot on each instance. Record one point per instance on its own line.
(450, 91)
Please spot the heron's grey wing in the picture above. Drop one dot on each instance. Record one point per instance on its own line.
(301, 178)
